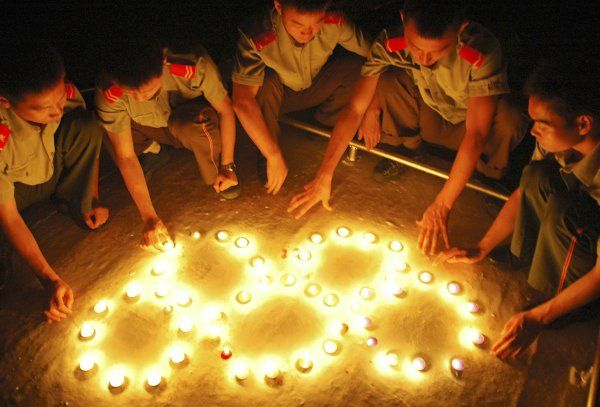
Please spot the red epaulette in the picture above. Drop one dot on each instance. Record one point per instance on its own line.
(186, 71)
(395, 44)
(334, 18)
(471, 55)
(264, 39)
(4, 134)
(112, 94)
(71, 90)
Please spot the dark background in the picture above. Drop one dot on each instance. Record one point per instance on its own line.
(528, 30)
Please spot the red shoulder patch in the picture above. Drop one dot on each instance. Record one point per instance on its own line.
(334, 18)
(71, 90)
(4, 135)
(264, 39)
(395, 44)
(186, 71)
(471, 55)
(112, 94)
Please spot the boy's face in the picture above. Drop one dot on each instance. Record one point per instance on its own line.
(550, 129)
(41, 108)
(427, 51)
(145, 92)
(302, 27)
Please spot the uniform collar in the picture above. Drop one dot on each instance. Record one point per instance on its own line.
(588, 168)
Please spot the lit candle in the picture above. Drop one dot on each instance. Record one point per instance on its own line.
(183, 299)
(316, 238)
(425, 277)
(343, 231)
(154, 378)
(196, 235)
(372, 341)
(367, 293)
(312, 290)
(473, 307)
(133, 291)
(100, 307)
(222, 236)
(177, 355)
(161, 291)
(169, 246)
(366, 322)
(397, 290)
(116, 379)
(331, 300)
(391, 359)
(478, 338)
(400, 265)
(243, 297)
(241, 242)
(304, 255)
(87, 363)
(272, 371)
(304, 363)
(215, 314)
(330, 347)
(370, 237)
(185, 325)
(257, 262)
(396, 246)
(419, 363)
(159, 268)
(87, 331)
(288, 280)
(266, 279)
(168, 309)
(226, 353)
(240, 370)
(457, 364)
(454, 288)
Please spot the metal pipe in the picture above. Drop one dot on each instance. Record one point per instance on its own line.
(394, 157)
(352, 154)
(593, 394)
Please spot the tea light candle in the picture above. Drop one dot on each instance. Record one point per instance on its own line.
(312, 290)
(304, 255)
(288, 280)
(330, 347)
(226, 353)
(473, 307)
(100, 307)
(316, 238)
(222, 236)
(116, 379)
(367, 293)
(257, 262)
(161, 291)
(196, 235)
(87, 331)
(154, 378)
(133, 291)
(241, 242)
(185, 325)
(457, 364)
(159, 268)
(240, 370)
(169, 246)
(266, 279)
(372, 341)
(425, 277)
(478, 338)
(400, 265)
(87, 363)
(396, 246)
(243, 297)
(304, 363)
(391, 359)
(343, 232)
(419, 363)
(454, 288)
(183, 299)
(177, 355)
(331, 300)
(369, 237)
(272, 371)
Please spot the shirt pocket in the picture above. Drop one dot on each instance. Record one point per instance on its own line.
(20, 168)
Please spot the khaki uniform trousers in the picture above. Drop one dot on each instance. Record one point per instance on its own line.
(407, 119)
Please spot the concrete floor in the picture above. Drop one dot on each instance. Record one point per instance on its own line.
(39, 362)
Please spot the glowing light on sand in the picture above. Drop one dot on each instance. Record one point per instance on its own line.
(473, 307)
(330, 347)
(183, 299)
(222, 236)
(272, 370)
(312, 290)
(372, 341)
(161, 291)
(257, 262)
(316, 238)
(391, 359)
(100, 307)
(369, 237)
(288, 280)
(185, 325)
(331, 300)
(87, 331)
(168, 309)
(160, 267)
(367, 293)
(396, 246)
(425, 277)
(477, 338)
(116, 379)
(177, 355)
(169, 246)
(241, 242)
(133, 291)
(419, 363)
(87, 362)
(154, 378)
(240, 370)
(243, 297)
(400, 265)
(366, 322)
(454, 288)
(304, 255)
(267, 279)
(457, 364)
(304, 363)
(343, 232)
(196, 235)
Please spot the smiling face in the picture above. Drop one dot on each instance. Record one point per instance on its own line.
(41, 108)
(301, 26)
(145, 91)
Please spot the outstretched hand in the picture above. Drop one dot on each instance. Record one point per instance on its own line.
(518, 334)
(60, 301)
(432, 226)
(318, 190)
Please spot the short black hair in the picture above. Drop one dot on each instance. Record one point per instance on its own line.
(433, 18)
(132, 61)
(306, 6)
(570, 85)
(29, 66)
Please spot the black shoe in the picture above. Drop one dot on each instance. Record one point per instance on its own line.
(261, 168)
(388, 170)
(151, 162)
(502, 256)
(231, 192)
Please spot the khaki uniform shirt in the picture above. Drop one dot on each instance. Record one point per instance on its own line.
(27, 152)
(184, 77)
(474, 68)
(296, 64)
(586, 170)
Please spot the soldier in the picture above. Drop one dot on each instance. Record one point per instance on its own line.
(554, 215)
(150, 96)
(49, 145)
(441, 79)
(286, 64)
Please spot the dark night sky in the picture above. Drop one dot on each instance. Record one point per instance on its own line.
(528, 29)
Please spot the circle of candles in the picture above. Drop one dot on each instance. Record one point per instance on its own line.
(266, 279)
(304, 363)
(369, 237)
(240, 370)
(391, 359)
(133, 291)
(222, 236)
(87, 331)
(241, 242)
(169, 246)
(100, 307)
(454, 288)
(226, 353)
(330, 347)
(419, 363)
(116, 379)
(161, 291)
(473, 307)
(396, 246)
(304, 255)
(457, 364)
(331, 300)
(316, 238)
(243, 297)
(183, 299)
(196, 235)
(154, 378)
(312, 290)
(288, 280)
(87, 363)
(372, 341)
(425, 277)
(257, 262)
(400, 265)
(177, 355)
(478, 338)
(159, 268)
(185, 325)
(367, 293)
(343, 231)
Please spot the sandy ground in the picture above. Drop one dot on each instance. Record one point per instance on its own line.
(39, 362)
